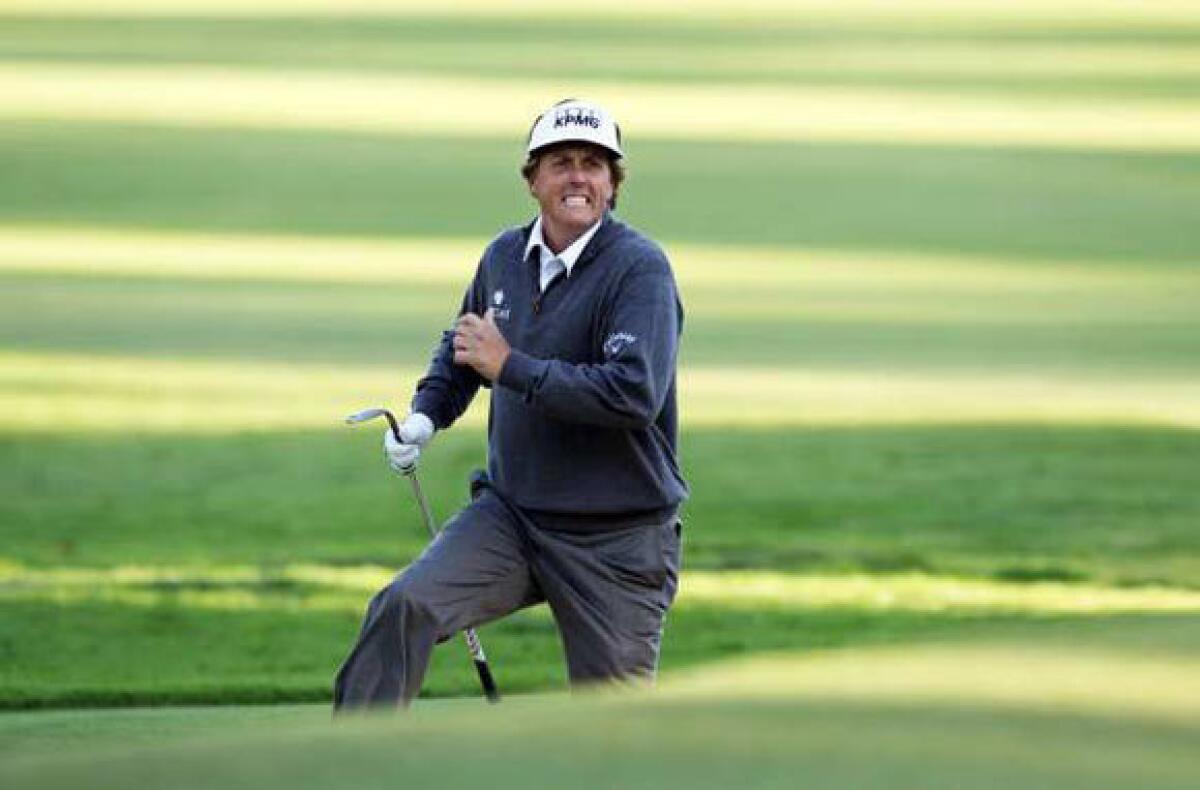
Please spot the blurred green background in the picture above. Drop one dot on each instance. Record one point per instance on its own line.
(940, 382)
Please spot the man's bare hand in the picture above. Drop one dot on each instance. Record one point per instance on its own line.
(478, 343)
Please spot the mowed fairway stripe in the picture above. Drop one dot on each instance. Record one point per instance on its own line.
(1075, 13)
(131, 252)
(341, 588)
(54, 381)
(128, 252)
(1064, 62)
(422, 105)
(1018, 677)
(57, 393)
(148, 388)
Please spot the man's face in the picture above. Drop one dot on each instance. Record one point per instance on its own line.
(573, 185)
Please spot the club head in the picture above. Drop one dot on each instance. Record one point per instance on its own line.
(370, 414)
(365, 415)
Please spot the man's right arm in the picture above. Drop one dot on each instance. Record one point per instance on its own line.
(447, 389)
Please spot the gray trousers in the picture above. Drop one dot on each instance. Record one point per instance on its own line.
(609, 593)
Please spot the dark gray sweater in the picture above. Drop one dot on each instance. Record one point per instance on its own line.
(583, 424)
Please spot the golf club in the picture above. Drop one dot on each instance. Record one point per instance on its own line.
(473, 643)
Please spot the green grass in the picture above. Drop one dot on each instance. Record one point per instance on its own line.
(982, 59)
(995, 714)
(703, 744)
(1120, 206)
(1117, 505)
(169, 642)
(939, 390)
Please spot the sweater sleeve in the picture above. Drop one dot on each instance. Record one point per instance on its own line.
(640, 343)
(447, 389)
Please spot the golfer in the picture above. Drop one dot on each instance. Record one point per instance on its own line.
(573, 321)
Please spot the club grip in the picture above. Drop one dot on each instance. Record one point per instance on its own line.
(487, 681)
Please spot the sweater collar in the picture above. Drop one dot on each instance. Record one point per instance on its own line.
(601, 235)
(568, 256)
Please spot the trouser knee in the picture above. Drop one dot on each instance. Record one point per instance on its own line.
(628, 657)
(406, 601)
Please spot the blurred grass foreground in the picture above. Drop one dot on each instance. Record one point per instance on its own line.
(940, 382)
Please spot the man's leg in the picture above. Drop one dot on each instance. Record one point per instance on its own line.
(610, 593)
(474, 572)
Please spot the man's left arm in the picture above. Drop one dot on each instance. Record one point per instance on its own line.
(640, 345)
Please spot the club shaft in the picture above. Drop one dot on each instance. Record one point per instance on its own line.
(473, 644)
(422, 502)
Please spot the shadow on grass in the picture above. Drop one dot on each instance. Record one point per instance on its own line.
(1024, 203)
(1114, 505)
(604, 48)
(108, 654)
(1018, 503)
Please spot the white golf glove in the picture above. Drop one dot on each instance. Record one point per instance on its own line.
(415, 432)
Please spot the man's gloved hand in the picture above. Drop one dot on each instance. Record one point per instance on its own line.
(415, 433)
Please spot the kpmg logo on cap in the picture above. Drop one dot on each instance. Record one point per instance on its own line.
(575, 120)
(576, 117)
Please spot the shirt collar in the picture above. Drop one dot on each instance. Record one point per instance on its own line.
(568, 256)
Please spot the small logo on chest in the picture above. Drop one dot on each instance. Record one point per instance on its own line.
(499, 311)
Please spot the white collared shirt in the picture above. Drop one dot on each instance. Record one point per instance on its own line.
(565, 261)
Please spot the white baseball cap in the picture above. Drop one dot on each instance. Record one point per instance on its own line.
(573, 120)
